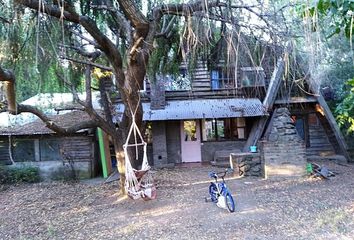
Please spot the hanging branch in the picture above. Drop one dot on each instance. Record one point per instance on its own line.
(165, 31)
(10, 150)
(88, 63)
(82, 51)
(90, 41)
(121, 23)
(4, 20)
(103, 42)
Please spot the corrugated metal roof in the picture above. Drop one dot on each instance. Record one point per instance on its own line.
(203, 108)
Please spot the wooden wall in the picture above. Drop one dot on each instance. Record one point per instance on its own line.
(201, 77)
(81, 150)
(77, 148)
(4, 151)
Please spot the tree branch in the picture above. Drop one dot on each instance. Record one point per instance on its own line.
(123, 24)
(51, 10)
(105, 44)
(4, 20)
(93, 43)
(90, 111)
(54, 126)
(88, 63)
(81, 51)
(166, 30)
(136, 17)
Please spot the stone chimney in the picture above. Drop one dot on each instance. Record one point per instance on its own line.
(284, 150)
(157, 94)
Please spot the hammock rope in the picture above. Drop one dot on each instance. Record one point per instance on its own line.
(138, 183)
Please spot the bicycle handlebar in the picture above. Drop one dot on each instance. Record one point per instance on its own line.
(218, 174)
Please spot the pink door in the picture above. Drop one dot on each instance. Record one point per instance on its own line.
(190, 141)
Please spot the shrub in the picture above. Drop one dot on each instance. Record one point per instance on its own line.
(19, 175)
(4, 174)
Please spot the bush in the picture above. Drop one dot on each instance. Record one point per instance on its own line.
(4, 175)
(19, 175)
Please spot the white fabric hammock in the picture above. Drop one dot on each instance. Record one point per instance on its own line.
(138, 183)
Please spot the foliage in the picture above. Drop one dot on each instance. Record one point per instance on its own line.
(28, 46)
(333, 21)
(345, 109)
(166, 58)
(19, 175)
(339, 12)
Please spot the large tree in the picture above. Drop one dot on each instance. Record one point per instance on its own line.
(122, 40)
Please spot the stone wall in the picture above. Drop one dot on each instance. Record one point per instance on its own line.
(284, 151)
(247, 164)
(173, 141)
(159, 145)
(157, 94)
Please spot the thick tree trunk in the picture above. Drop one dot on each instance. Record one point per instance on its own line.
(119, 152)
(9, 78)
(130, 96)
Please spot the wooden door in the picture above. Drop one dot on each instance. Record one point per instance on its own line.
(190, 141)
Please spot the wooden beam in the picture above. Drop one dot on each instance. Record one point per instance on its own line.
(309, 99)
(256, 133)
(268, 102)
(274, 85)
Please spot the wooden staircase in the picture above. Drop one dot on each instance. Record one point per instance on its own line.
(320, 144)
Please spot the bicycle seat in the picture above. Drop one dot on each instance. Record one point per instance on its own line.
(213, 175)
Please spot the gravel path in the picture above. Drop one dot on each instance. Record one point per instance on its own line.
(304, 208)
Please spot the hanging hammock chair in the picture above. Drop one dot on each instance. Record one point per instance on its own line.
(138, 183)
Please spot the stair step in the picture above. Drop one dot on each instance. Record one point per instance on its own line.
(224, 164)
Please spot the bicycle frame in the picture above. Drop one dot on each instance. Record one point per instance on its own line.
(219, 192)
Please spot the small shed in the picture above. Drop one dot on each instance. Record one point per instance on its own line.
(57, 156)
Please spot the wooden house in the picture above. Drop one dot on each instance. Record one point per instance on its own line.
(227, 107)
(57, 157)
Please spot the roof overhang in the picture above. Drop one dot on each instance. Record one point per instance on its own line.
(202, 109)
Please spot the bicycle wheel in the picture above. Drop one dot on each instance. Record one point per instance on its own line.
(229, 202)
(213, 190)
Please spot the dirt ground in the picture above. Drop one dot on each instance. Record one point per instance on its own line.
(305, 208)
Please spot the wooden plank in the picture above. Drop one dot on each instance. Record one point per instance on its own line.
(274, 85)
(256, 133)
(201, 78)
(37, 153)
(309, 99)
(272, 91)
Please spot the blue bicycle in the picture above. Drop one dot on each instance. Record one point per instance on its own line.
(219, 193)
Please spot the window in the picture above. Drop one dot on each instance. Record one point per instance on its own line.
(179, 82)
(252, 77)
(148, 133)
(222, 78)
(224, 129)
(50, 150)
(23, 150)
(190, 131)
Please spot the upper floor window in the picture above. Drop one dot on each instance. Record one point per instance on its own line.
(181, 81)
(222, 78)
(252, 77)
